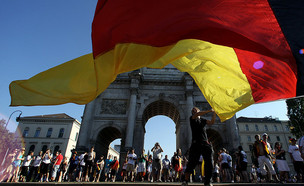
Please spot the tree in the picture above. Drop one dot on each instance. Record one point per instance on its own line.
(8, 140)
(295, 113)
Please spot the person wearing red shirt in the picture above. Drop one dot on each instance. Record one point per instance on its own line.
(56, 165)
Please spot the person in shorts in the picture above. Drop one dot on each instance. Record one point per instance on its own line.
(132, 158)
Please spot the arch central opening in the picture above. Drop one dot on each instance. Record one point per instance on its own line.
(160, 120)
(160, 129)
(104, 139)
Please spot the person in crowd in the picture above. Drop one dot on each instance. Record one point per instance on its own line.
(26, 167)
(216, 173)
(16, 164)
(114, 168)
(301, 146)
(33, 176)
(132, 158)
(296, 158)
(156, 163)
(89, 164)
(254, 174)
(63, 169)
(142, 161)
(82, 166)
(262, 151)
(10, 158)
(124, 170)
(149, 168)
(223, 158)
(281, 162)
(166, 168)
(107, 169)
(241, 164)
(200, 145)
(45, 166)
(56, 165)
(73, 162)
(99, 166)
(178, 167)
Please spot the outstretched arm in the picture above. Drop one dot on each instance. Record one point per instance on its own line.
(201, 113)
(211, 122)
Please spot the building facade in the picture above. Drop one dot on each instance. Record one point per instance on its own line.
(54, 132)
(278, 131)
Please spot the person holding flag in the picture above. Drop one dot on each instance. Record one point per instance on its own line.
(200, 145)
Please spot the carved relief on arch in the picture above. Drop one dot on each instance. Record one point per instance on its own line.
(114, 106)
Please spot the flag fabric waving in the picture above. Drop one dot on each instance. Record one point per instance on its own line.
(238, 52)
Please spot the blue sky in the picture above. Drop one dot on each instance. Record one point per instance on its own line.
(36, 35)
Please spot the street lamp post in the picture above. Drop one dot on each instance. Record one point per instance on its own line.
(17, 119)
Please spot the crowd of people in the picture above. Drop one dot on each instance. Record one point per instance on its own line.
(269, 165)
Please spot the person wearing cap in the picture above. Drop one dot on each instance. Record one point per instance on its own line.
(262, 151)
(200, 144)
(296, 158)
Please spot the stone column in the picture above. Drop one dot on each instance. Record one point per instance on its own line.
(189, 97)
(233, 133)
(86, 126)
(135, 78)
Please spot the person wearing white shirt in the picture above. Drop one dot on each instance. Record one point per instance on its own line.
(296, 158)
(156, 163)
(132, 157)
(46, 161)
(166, 168)
(25, 167)
(36, 164)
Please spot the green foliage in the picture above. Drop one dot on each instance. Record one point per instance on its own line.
(295, 113)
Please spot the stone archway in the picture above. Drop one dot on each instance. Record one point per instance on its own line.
(215, 139)
(104, 138)
(160, 107)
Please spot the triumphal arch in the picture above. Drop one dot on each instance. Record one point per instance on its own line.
(123, 110)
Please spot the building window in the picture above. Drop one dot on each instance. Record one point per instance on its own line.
(25, 132)
(278, 138)
(266, 128)
(61, 132)
(249, 138)
(49, 133)
(286, 127)
(37, 133)
(246, 127)
(275, 128)
(44, 148)
(256, 128)
(76, 137)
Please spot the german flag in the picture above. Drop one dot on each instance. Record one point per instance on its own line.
(239, 52)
